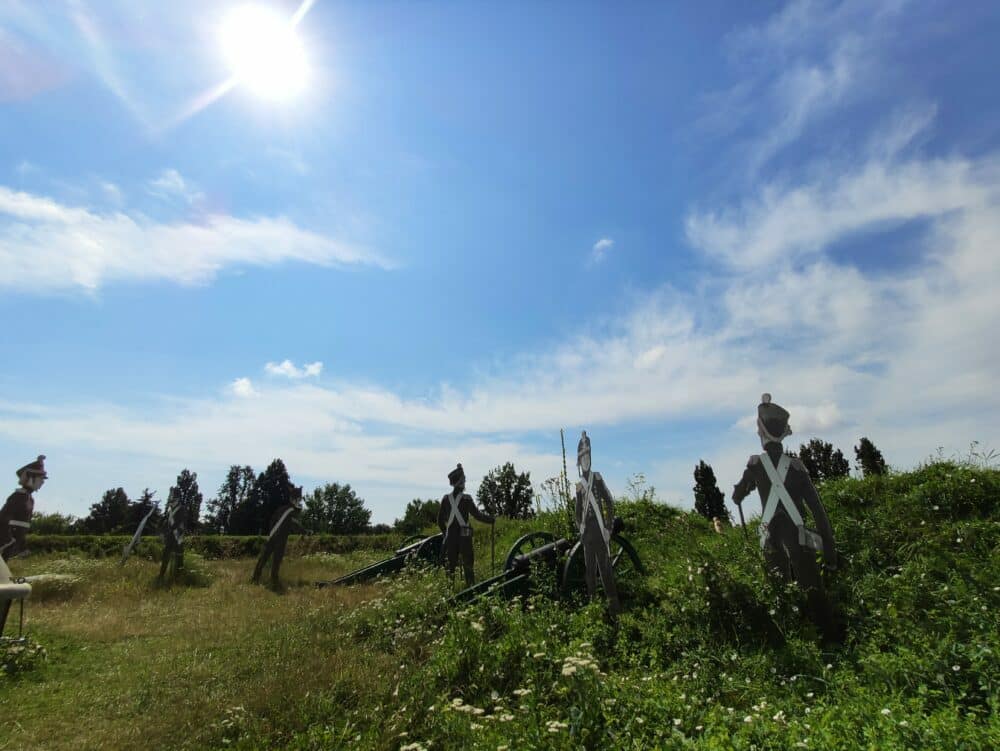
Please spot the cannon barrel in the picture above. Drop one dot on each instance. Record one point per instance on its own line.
(548, 552)
(427, 549)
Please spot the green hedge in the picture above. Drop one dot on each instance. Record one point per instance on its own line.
(209, 546)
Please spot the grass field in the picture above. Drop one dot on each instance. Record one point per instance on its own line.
(709, 654)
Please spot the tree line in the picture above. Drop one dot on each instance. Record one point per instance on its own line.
(823, 461)
(246, 501)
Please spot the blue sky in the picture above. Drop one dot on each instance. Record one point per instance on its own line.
(481, 222)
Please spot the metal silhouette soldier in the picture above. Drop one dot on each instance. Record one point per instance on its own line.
(15, 517)
(595, 513)
(453, 520)
(174, 525)
(282, 522)
(791, 549)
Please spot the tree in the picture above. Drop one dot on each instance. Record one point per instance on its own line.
(137, 511)
(708, 499)
(189, 495)
(869, 459)
(418, 516)
(504, 492)
(233, 511)
(109, 515)
(335, 509)
(271, 493)
(823, 461)
(53, 524)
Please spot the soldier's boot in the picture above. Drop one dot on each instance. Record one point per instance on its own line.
(163, 565)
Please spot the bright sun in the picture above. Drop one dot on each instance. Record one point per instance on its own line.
(264, 52)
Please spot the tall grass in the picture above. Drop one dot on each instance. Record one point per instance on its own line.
(710, 654)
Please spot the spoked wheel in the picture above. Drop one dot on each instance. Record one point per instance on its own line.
(525, 545)
(430, 550)
(624, 561)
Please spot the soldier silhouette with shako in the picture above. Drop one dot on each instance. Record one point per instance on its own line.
(174, 527)
(595, 513)
(15, 517)
(283, 520)
(792, 551)
(453, 520)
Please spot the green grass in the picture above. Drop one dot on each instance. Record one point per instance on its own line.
(709, 654)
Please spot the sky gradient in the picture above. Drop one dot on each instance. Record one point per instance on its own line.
(484, 222)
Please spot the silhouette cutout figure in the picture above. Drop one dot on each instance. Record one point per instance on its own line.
(453, 521)
(595, 513)
(283, 521)
(174, 525)
(792, 551)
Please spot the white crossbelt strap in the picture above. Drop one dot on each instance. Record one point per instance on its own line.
(588, 488)
(779, 495)
(26, 525)
(178, 536)
(455, 513)
(281, 521)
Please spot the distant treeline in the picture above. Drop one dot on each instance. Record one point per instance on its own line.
(246, 501)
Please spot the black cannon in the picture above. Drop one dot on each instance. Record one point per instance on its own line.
(538, 561)
(417, 548)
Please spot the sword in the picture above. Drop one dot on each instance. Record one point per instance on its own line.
(135, 538)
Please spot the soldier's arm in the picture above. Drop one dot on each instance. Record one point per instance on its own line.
(747, 483)
(474, 511)
(609, 500)
(443, 514)
(808, 494)
(578, 509)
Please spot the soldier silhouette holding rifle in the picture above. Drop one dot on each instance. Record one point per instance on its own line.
(453, 520)
(792, 551)
(283, 521)
(595, 513)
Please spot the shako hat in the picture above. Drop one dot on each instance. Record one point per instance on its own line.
(456, 476)
(772, 420)
(583, 447)
(36, 467)
(295, 494)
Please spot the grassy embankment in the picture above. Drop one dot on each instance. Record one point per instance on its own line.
(709, 655)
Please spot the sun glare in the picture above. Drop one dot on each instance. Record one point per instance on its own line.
(264, 52)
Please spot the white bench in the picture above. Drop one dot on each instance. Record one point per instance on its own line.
(11, 590)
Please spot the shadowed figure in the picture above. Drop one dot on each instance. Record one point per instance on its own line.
(792, 551)
(595, 513)
(453, 520)
(15, 516)
(173, 535)
(282, 522)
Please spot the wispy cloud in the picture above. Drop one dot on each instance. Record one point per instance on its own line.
(170, 184)
(46, 245)
(600, 249)
(288, 369)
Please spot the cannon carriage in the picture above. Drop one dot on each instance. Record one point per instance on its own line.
(538, 561)
(426, 550)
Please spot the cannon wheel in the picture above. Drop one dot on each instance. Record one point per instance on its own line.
(526, 544)
(430, 550)
(624, 560)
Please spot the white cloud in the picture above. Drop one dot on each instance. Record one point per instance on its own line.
(785, 222)
(46, 245)
(170, 184)
(288, 369)
(600, 249)
(243, 388)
